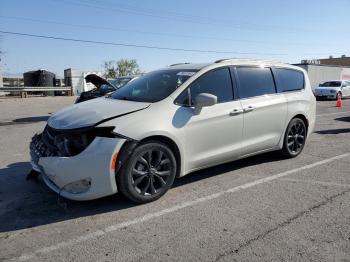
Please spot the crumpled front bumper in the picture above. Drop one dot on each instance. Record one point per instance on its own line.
(94, 163)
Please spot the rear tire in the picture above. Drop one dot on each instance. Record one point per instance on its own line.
(149, 172)
(294, 138)
(339, 95)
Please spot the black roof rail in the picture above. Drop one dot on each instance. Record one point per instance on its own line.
(186, 63)
(222, 60)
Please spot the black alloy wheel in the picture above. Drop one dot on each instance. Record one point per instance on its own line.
(151, 172)
(148, 174)
(295, 138)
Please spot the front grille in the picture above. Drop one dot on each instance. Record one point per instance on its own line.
(66, 143)
(48, 137)
(43, 145)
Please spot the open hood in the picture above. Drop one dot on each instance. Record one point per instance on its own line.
(97, 80)
(92, 112)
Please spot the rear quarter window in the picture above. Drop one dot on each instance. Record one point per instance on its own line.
(288, 79)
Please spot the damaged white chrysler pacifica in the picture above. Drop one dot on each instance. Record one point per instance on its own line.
(171, 122)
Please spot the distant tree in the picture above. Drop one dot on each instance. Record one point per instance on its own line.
(121, 67)
(110, 69)
(127, 67)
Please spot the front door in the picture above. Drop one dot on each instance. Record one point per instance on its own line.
(213, 136)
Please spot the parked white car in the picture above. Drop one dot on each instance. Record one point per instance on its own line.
(171, 122)
(333, 89)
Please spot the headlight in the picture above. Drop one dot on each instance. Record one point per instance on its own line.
(72, 145)
(73, 142)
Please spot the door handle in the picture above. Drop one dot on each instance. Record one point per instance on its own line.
(248, 109)
(236, 111)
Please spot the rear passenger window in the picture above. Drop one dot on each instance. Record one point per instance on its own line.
(288, 79)
(216, 82)
(255, 81)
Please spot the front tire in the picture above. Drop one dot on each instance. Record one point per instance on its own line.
(149, 172)
(294, 138)
(339, 95)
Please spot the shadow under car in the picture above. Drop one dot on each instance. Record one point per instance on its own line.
(37, 205)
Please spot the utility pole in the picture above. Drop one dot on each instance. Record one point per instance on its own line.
(1, 79)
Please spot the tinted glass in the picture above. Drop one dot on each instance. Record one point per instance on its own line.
(331, 84)
(104, 89)
(154, 86)
(216, 82)
(289, 80)
(255, 81)
(119, 82)
(184, 98)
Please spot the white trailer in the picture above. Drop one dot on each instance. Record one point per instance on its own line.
(76, 79)
(321, 73)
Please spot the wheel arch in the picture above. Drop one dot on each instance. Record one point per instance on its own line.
(303, 118)
(171, 144)
(341, 94)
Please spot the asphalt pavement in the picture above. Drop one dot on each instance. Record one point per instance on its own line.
(263, 208)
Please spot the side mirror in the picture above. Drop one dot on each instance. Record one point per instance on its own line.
(204, 100)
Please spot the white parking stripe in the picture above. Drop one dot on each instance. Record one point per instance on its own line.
(335, 113)
(181, 206)
(315, 182)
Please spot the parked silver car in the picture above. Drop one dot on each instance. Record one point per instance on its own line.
(171, 122)
(333, 89)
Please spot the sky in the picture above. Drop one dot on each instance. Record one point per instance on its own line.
(287, 31)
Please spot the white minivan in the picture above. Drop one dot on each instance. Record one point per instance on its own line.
(171, 122)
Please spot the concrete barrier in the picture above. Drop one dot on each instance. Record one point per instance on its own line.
(23, 90)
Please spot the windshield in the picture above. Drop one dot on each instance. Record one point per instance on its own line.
(331, 84)
(154, 86)
(104, 89)
(119, 82)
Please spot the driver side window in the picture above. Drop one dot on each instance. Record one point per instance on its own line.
(216, 82)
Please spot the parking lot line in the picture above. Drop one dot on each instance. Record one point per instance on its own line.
(335, 113)
(315, 182)
(147, 217)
